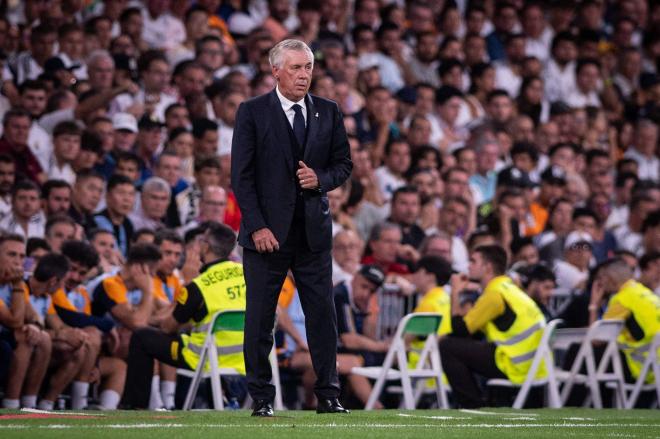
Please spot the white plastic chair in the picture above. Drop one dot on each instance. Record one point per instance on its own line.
(543, 354)
(428, 365)
(601, 331)
(651, 363)
(227, 320)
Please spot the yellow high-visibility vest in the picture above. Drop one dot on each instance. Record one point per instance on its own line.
(223, 288)
(515, 347)
(644, 307)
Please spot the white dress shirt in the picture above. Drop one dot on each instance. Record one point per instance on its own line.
(287, 106)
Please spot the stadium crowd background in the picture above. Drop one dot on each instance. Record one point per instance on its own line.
(530, 125)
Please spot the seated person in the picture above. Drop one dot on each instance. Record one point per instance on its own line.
(219, 286)
(30, 345)
(72, 348)
(127, 297)
(510, 320)
(74, 307)
(632, 302)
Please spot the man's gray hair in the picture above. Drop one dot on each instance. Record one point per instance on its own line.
(378, 229)
(155, 184)
(97, 55)
(276, 54)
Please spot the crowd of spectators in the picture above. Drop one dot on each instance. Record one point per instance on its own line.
(532, 125)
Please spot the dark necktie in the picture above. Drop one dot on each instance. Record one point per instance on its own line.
(299, 125)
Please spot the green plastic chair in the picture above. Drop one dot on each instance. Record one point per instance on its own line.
(429, 364)
(227, 320)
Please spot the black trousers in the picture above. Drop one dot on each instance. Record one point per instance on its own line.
(264, 276)
(461, 359)
(148, 345)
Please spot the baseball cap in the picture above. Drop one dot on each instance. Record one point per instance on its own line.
(148, 122)
(373, 274)
(514, 177)
(124, 121)
(577, 237)
(554, 175)
(367, 61)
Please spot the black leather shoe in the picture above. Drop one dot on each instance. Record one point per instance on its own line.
(263, 409)
(331, 405)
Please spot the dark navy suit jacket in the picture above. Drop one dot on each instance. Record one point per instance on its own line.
(263, 168)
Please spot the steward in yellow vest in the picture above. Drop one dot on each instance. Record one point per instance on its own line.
(219, 286)
(631, 302)
(508, 318)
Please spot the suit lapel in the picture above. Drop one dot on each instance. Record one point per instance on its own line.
(312, 128)
(279, 128)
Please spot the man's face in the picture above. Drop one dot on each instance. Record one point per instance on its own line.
(386, 247)
(208, 144)
(26, 203)
(12, 254)
(17, 130)
(76, 275)
(171, 255)
(487, 158)
(586, 224)
(476, 267)
(101, 74)
(213, 204)
(427, 48)
(42, 47)
(156, 77)
(121, 199)
(149, 139)
(362, 291)
(453, 217)
(208, 177)
(457, 184)
(178, 117)
(169, 169)
(34, 101)
(529, 254)
(128, 168)
(87, 194)
(541, 290)
(587, 79)
(439, 247)
(58, 234)
(229, 107)
(500, 109)
(212, 55)
(155, 204)
(405, 209)
(124, 140)
(104, 243)
(398, 160)
(295, 75)
(67, 147)
(59, 200)
(346, 249)
(426, 183)
(73, 44)
(449, 110)
(193, 81)
(7, 177)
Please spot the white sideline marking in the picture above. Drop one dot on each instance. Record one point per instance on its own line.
(321, 426)
(58, 413)
(441, 418)
(481, 412)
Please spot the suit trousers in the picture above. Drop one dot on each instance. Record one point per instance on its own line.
(264, 277)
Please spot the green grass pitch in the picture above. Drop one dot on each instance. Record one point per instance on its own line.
(436, 424)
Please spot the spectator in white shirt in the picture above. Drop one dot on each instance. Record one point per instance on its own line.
(585, 92)
(644, 150)
(538, 33)
(629, 235)
(225, 102)
(66, 146)
(559, 73)
(33, 99)
(390, 176)
(71, 44)
(161, 30)
(572, 271)
(7, 180)
(508, 71)
(26, 218)
(210, 53)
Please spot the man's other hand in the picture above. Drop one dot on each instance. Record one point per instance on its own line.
(265, 241)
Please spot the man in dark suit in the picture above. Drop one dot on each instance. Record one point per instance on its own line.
(289, 149)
